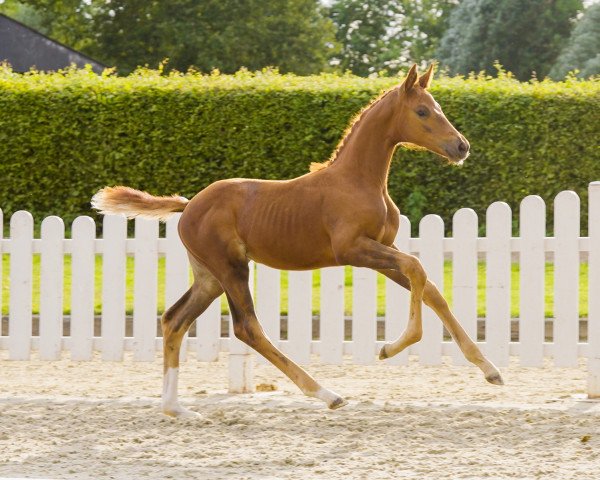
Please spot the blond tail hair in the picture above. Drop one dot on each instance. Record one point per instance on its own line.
(135, 203)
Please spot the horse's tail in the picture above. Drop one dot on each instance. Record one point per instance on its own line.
(135, 203)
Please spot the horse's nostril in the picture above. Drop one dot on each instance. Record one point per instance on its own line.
(463, 147)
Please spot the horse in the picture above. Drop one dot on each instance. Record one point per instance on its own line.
(340, 213)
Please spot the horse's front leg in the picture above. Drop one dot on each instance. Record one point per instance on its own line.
(436, 301)
(366, 252)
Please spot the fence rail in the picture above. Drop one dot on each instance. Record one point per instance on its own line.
(464, 248)
(415, 245)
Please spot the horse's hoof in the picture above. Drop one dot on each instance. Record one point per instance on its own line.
(495, 379)
(332, 399)
(382, 354)
(338, 403)
(180, 412)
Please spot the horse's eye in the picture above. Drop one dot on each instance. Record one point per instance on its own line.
(422, 112)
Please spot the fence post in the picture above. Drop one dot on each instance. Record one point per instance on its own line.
(51, 288)
(594, 288)
(114, 268)
(431, 254)
(397, 299)
(464, 275)
(241, 359)
(83, 265)
(566, 278)
(331, 324)
(268, 309)
(299, 316)
(145, 289)
(532, 258)
(21, 260)
(498, 270)
(364, 315)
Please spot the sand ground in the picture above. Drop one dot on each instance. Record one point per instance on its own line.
(97, 420)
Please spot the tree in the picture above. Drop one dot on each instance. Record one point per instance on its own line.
(425, 22)
(525, 37)
(292, 35)
(23, 13)
(582, 51)
(67, 21)
(364, 31)
(378, 35)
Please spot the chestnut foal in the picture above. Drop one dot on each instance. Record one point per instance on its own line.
(339, 214)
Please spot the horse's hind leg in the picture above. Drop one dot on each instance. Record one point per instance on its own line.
(248, 329)
(175, 322)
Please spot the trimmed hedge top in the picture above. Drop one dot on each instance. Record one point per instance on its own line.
(271, 80)
(64, 135)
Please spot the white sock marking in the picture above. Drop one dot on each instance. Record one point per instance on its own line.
(327, 396)
(169, 394)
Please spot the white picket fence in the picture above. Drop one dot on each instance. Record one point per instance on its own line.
(464, 248)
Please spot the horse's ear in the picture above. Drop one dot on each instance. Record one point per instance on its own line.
(411, 78)
(425, 79)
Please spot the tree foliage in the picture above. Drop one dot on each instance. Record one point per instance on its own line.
(292, 35)
(525, 37)
(582, 52)
(21, 12)
(427, 20)
(365, 31)
(67, 21)
(223, 34)
(385, 35)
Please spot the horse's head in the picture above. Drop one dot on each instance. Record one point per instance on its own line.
(422, 122)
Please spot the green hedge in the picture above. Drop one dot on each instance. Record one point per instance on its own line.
(63, 136)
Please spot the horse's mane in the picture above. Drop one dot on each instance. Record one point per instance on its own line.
(316, 166)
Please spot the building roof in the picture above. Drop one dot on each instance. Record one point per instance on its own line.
(24, 48)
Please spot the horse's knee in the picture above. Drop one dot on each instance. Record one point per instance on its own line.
(415, 272)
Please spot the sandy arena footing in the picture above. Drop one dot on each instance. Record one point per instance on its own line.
(101, 420)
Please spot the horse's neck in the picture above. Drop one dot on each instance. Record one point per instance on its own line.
(367, 150)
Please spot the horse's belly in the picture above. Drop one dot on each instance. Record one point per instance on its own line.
(292, 253)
